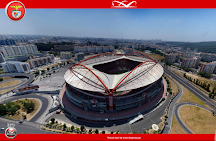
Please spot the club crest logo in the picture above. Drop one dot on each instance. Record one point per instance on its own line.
(15, 10)
(123, 4)
(10, 132)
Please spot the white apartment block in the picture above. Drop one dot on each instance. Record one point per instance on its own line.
(36, 61)
(1, 58)
(65, 55)
(9, 51)
(15, 67)
(90, 49)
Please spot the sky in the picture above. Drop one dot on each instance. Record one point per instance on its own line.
(190, 25)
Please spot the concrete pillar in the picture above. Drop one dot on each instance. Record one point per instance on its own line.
(111, 102)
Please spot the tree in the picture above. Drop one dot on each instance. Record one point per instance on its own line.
(24, 116)
(207, 87)
(42, 71)
(72, 127)
(53, 120)
(9, 104)
(48, 69)
(103, 132)
(185, 75)
(112, 132)
(96, 131)
(77, 129)
(12, 110)
(29, 107)
(37, 72)
(3, 110)
(90, 130)
(204, 85)
(187, 69)
(1, 79)
(82, 128)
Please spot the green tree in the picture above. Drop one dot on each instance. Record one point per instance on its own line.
(9, 104)
(53, 120)
(96, 131)
(3, 110)
(48, 69)
(72, 127)
(103, 132)
(29, 107)
(90, 130)
(42, 71)
(1, 79)
(82, 128)
(64, 126)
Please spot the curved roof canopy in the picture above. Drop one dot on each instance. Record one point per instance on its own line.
(84, 76)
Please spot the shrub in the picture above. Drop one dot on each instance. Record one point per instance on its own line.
(72, 127)
(82, 128)
(96, 131)
(53, 120)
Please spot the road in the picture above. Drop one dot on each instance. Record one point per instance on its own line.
(176, 112)
(150, 118)
(193, 89)
(23, 128)
(44, 101)
(171, 109)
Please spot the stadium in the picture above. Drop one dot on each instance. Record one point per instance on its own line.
(111, 86)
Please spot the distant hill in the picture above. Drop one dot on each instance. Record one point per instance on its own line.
(208, 47)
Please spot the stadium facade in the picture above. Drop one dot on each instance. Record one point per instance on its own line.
(109, 82)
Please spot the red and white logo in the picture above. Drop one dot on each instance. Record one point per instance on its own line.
(124, 4)
(15, 10)
(10, 132)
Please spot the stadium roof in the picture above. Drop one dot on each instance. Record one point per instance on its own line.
(84, 76)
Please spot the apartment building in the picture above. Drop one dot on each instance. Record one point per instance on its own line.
(1, 58)
(172, 58)
(65, 55)
(36, 61)
(15, 67)
(209, 67)
(95, 49)
(9, 51)
(128, 50)
(190, 62)
(208, 56)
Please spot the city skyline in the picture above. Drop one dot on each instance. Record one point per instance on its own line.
(190, 25)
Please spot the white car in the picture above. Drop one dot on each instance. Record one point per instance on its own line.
(2, 129)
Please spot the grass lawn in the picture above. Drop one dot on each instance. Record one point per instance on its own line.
(156, 56)
(19, 115)
(173, 86)
(198, 120)
(176, 128)
(9, 83)
(201, 79)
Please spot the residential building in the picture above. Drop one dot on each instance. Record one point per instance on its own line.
(7, 42)
(128, 50)
(95, 49)
(63, 48)
(36, 61)
(15, 67)
(208, 67)
(65, 55)
(208, 56)
(9, 51)
(79, 56)
(2, 58)
(172, 58)
(191, 62)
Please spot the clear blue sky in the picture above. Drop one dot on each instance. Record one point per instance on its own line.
(166, 24)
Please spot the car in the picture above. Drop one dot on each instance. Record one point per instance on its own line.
(2, 129)
(21, 120)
